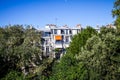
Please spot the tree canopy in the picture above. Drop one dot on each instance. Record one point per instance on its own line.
(97, 59)
(20, 53)
(68, 68)
(116, 13)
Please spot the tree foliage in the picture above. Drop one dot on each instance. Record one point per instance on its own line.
(102, 56)
(68, 68)
(97, 59)
(20, 52)
(116, 13)
(79, 40)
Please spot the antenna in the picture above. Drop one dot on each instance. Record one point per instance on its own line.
(56, 21)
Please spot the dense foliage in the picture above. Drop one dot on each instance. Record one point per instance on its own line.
(68, 68)
(90, 56)
(20, 53)
(101, 58)
(97, 59)
(116, 13)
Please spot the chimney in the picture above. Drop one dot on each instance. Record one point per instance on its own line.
(78, 25)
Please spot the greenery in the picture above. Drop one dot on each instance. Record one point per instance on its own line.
(101, 58)
(68, 68)
(90, 55)
(20, 53)
(116, 13)
(97, 59)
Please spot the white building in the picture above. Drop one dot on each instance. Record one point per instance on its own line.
(54, 37)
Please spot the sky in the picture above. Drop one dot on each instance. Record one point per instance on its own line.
(60, 12)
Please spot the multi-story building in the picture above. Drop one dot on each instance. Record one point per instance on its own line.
(55, 37)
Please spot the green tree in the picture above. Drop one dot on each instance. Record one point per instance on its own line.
(10, 38)
(116, 13)
(19, 50)
(29, 52)
(80, 39)
(14, 75)
(68, 67)
(20, 54)
(101, 56)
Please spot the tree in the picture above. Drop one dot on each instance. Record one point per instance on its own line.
(97, 59)
(20, 50)
(80, 40)
(30, 51)
(102, 57)
(69, 68)
(116, 13)
(20, 54)
(14, 75)
(10, 38)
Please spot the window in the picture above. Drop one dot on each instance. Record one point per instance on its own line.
(62, 37)
(58, 42)
(46, 42)
(47, 49)
(55, 31)
(67, 39)
(51, 31)
(47, 34)
(78, 30)
(70, 31)
(62, 32)
(66, 31)
(71, 37)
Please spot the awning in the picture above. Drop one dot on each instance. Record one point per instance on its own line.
(58, 37)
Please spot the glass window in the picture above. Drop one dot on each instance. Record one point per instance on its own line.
(78, 30)
(58, 42)
(62, 37)
(66, 31)
(51, 31)
(62, 32)
(46, 42)
(55, 31)
(47, 50)
(67, 39)
(71, 37)
(47, 34)
(70, 31)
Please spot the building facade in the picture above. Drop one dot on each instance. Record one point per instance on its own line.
(54, 37)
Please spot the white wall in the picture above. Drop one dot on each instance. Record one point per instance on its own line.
(58, 31)
(74, 31)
